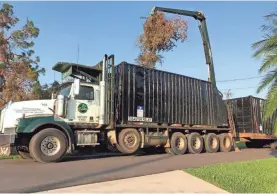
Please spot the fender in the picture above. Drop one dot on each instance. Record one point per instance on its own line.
(35, 124)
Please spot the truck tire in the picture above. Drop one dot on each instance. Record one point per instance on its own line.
(119, 149)
(195, 143)
(179, 143)
(129, 140)
(24, 155)
(48, 145)
(225, 142)
(211, 142)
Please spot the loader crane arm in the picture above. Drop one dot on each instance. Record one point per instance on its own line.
(198, 15)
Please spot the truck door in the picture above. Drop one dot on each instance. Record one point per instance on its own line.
(84, 108)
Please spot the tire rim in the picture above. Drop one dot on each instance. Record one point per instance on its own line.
(226, 142)
(50, 146)
(180, 143)
(130, 140)
(213, 142)
(196, 142)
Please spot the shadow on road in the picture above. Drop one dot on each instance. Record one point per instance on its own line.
(111, 154)
(86, 178)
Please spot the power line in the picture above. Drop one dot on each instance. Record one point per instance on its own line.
(240, 79)
(240, 88)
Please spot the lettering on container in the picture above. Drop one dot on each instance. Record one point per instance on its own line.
(144, 119)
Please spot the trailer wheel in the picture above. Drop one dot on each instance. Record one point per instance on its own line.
(195, 143)
(225, 142)
(48, 145)
(24, 155)
(129, 140)
(179, 143)
(211, 143)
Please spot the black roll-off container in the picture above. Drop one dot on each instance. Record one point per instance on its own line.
(151, 95)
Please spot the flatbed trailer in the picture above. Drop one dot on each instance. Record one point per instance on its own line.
(250, 127)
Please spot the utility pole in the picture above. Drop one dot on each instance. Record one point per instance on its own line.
(3, 57)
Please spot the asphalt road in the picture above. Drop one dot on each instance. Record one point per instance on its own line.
(28, 176)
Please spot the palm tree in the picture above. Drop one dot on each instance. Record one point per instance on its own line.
(266, 49)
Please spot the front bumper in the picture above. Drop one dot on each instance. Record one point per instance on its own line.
(6, 144)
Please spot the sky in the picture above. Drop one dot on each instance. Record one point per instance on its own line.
(101, 28)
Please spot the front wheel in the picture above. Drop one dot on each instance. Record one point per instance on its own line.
(48, 145)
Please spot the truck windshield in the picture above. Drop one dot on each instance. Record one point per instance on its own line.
(65, 90)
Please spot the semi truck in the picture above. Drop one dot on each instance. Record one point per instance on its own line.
(125, 107)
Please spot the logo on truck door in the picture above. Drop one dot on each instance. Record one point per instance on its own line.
(83, 108)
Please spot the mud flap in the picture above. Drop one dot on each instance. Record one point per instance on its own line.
(237, 149)
(7, 144)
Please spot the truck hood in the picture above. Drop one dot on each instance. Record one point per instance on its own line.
(15, 110)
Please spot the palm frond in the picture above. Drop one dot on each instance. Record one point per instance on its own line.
(259, 44)
(267, 80)
(274, 124)
(268, 62)
(271, 29)
(271, 102)
(266, 47)
(270, 16)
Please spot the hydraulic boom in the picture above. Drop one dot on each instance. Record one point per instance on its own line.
(198, 15)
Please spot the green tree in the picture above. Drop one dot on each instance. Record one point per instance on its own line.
(46, 90)
(19, 67)
(266, 49)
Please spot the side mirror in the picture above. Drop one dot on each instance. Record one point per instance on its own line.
(76, 87)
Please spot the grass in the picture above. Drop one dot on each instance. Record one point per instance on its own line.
(10, 157)
(258, 176)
